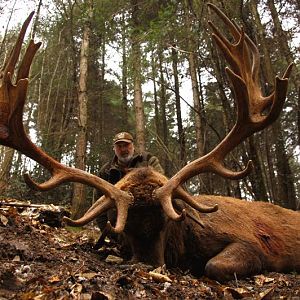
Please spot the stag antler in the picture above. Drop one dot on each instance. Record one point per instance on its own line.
(243, 57)
(12, 133)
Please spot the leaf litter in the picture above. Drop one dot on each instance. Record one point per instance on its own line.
(39, 261)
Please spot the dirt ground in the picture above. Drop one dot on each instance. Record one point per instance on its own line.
(39, 261)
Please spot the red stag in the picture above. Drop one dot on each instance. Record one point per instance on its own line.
(235, 238)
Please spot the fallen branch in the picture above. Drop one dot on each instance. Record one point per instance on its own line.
(19, 204)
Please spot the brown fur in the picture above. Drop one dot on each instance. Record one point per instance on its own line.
(240, 239)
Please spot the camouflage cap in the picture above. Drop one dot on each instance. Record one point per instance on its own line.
(123, 137)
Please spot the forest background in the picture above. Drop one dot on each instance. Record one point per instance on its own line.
(151, 68)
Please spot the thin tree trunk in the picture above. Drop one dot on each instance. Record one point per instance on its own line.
(298, 116)
(156, 108)
(7, 26)
(124, 76)
(256, 177)
(40, 118)
(67, 107)
(79, 204)
(163, 108)
(5, 168)
(137, 80)
(181, 135)
(101, 94)
(36, 21)
(270, 164)
(286, 194)
(195, 87)
(281, 35)
(197, 107)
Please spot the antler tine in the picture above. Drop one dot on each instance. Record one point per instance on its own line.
(243, 57)
(102, 206)
(232, 50)
(11, 61)
(182, 194)
(24, 69)
(233, 27)
(122, 209)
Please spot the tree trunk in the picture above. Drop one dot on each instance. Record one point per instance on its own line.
(298, 115)
(155, 96)
(195, 87)
(137, 79)
(197, 105)
(256, 177)
(6, 28)
(270, 177)
(163, 108)
(78, 203)
(36, 20)
(5, 168)
(284, 48)
(281, 36)
(124, 76)
(101, 94)
(284, 191)
(181, 135)
(286, 194)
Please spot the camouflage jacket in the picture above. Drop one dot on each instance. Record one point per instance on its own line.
(113, 172)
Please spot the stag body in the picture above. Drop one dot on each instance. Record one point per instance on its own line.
(240, 239)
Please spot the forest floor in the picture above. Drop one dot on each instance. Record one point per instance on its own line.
(39, 261)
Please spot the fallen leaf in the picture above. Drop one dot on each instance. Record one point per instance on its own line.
(38, 297)
(3, 220)
(236, 293)
(16, 258)
(142, 274)
(267, 294)
(140, 294)
(159, 277)
(114, 259)
(166, 286)
(283, 281)
(76, 290)
(54, 279)
(87, 276)
(261, 280)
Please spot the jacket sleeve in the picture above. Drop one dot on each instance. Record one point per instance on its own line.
(155, 164)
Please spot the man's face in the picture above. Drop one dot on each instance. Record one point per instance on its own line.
(124, 151)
